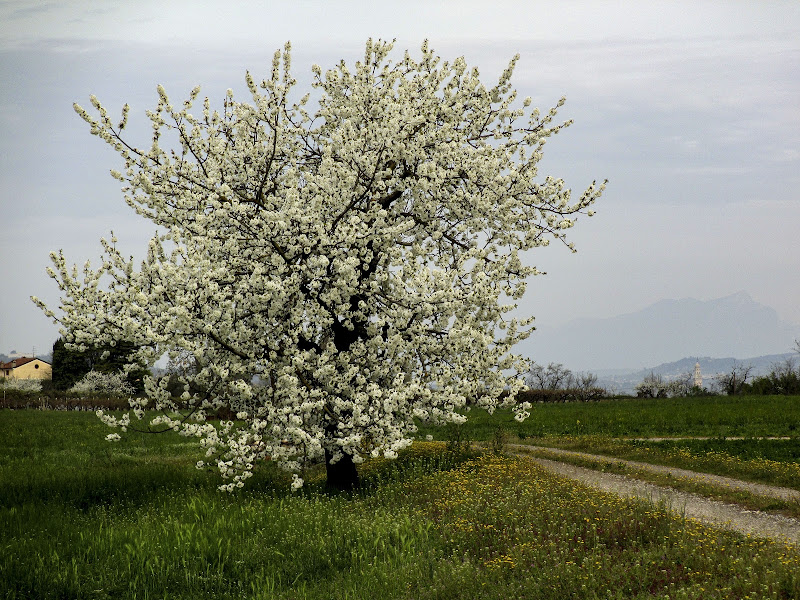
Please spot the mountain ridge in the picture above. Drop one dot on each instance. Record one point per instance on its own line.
(733, 325)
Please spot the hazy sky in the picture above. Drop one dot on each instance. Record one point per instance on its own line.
(690, 109)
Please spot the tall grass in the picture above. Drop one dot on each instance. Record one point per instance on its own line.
(81, 518)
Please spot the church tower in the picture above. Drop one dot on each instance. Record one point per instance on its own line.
(698, 376)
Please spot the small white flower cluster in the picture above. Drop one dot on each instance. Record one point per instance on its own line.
(330, 275)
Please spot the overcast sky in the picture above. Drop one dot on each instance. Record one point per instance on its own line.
(690, 109)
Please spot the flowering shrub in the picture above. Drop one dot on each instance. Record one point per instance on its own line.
(335, 273)
(106, 383)
(23, 385)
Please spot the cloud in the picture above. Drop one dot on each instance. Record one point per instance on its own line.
(786, 155)
(16, 11)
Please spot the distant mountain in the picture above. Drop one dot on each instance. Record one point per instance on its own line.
(735, 325)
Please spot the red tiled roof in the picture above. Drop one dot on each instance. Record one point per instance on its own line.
(18, 362)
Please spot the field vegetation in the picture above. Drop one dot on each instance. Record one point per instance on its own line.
(82, 518)
(706, 416)
(770, 461)
(753, 454)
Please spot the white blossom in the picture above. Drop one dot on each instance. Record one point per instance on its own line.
(297, 482)
(334, 273)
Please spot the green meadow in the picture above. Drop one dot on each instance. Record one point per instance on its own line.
(711, 416)
(84, 518)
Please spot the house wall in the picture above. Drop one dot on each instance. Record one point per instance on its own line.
(36, 369)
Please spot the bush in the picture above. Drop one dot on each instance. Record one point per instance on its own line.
(41, 394)
(783, 379)
(26, 386)
(103, 383)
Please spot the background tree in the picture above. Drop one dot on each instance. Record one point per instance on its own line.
(353, 257)
(682, 385)
(556, 383)
(71, 364)
(733, 382)
(555, 376)
(586, 387)
(652, 386)
(783, 378)
(180, 372)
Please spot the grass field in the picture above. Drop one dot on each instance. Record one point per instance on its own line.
(82, 518)
(713, 416)
(584, 427)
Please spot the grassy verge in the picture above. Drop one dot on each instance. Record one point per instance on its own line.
(82, 519)
(693, 485)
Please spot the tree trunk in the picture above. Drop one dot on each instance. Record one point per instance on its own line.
(342, 475)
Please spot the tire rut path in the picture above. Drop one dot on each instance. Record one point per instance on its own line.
(693, 506)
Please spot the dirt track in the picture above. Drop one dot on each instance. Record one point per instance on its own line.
(693, 506)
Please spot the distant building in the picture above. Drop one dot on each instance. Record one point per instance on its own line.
(26, 368)
(698, 376)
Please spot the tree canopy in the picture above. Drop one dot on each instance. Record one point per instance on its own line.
(335, 273)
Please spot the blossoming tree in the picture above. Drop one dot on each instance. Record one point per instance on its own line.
(333, 274)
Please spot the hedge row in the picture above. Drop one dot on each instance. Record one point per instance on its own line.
(17, 400)
(42, 402)
(568, 395)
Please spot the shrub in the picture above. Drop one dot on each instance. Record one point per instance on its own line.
(104, 383)
(783, 379)
(26, 386)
